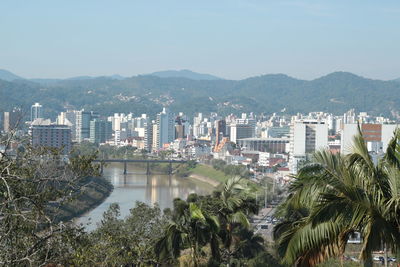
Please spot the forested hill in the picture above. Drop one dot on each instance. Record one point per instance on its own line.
(336, 92)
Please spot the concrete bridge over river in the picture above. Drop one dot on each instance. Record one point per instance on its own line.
(147, 161)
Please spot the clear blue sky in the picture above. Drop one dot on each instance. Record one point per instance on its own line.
(228, 38)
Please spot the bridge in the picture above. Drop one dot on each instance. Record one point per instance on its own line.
(148, 161)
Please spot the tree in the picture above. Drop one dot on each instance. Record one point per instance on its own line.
(34, 185)
(189, 228)
(234, 209)
(249, 244)
(337, 195)
(123, 241)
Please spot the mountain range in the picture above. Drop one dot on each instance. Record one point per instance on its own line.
(188, 74)
(336, 92)
(8, 76)
(184, 74)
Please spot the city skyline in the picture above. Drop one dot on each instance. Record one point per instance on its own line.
(232, 40)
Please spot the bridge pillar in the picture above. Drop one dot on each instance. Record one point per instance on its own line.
(101, 168)
(170, 168)
(148, 168)
(125, 167)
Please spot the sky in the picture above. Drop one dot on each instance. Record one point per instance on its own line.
(232, 39)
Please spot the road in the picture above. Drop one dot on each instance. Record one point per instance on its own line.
(260, 219)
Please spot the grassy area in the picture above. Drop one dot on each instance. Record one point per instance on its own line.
(219, 176)
(209, 172)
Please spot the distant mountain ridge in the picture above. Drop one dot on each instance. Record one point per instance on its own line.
(184, 74)
(188, 74)
(336, 92)
(8, 76)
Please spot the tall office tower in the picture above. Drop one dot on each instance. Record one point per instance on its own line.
(220, 131)
(116, 120)
(377, 136)
(68, 118)
(307, 136)
(55, 136)
(180, 127)
(154, 145)
(196, 124)
(36, 111)
(165, 127)
(83, 119)
(349, 116)
(138, 125)
(12, 120)
(148, 135)
(330, 119)
(100, 131)
(242, 128)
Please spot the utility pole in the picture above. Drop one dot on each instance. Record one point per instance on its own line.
(265, 196)
(273, 187)
(256, 198)
(386, 254)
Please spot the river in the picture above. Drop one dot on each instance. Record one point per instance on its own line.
(137, 186)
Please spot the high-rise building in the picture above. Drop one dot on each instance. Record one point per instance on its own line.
(36, 111)
(307, 136)
(165, 127)
(100, 131)
(180, 127)
(53, 135)
(148, 135)
(220, 131)
(11, 120)
(154, 145)
(242, 128)
(82, 127)
(196, 124)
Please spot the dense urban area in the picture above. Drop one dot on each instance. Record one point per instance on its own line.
(265, 172)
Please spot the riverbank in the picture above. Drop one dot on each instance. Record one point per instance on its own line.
(93, 191)
(208, 174)
(204, 179)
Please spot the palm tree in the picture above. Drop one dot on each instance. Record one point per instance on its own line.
(337, 195)
(235, 206)
(190, 227)
(248, 244)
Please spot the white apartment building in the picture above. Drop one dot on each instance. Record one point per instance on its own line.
(307, 136)
(263, 159)
(36, 111)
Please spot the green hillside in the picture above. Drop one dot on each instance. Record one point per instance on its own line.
(336, 92)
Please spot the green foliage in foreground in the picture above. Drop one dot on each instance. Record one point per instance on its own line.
(338, 195)
(213, 229)
(34, 185)
(123, 241)
(201, 231)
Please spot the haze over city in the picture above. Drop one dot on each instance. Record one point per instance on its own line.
(230, 39)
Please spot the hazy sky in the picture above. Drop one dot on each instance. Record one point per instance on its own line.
(232, 39)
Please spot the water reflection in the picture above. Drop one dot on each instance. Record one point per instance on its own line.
(137, 186)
